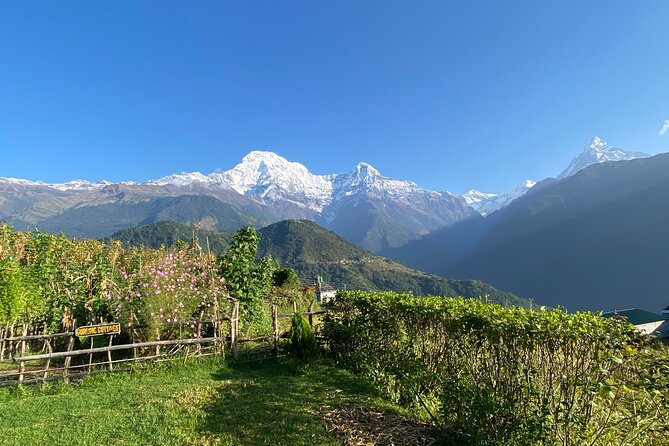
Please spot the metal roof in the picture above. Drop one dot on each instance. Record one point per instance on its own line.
(636, 316)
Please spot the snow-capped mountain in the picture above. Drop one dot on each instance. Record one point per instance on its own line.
(598, 151)
(366, 180)
(69, 185)
(269, 178)
(473, 196)
(362, 205)
(495, 202)
(485, 203)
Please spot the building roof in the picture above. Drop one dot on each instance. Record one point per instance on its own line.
(636, 316)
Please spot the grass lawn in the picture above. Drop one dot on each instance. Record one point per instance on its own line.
(204, 402)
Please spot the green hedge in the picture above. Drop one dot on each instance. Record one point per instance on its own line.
(506, 375)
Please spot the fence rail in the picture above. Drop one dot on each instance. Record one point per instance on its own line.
(31, 358)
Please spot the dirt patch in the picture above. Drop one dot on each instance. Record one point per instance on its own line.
(363, 426)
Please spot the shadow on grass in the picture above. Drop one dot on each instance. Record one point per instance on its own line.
(277, 402)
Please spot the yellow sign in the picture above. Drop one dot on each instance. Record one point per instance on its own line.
(96, 330)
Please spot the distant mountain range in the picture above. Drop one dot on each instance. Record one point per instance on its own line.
(551, 240)
(361, 205)
(595, 152)
(314, 251)
(596, 239)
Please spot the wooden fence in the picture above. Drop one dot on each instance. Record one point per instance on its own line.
(36, 358)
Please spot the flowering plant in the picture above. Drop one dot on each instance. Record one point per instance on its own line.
(179, 287)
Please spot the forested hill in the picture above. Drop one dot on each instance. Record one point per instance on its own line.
(314, 251)
(168, 233)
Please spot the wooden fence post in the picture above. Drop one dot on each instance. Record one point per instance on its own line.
(234, 328)
(311, 316)
(157, 346)
(44, 331)
(198, 346)
(275, 326)
(294, 306)
(10, 345)
(3, 335)
(90, 355)
(70, 347)
(109, 355)
(22, 365)
(217, 325)
(49, 350)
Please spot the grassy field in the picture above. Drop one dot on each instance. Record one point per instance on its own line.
(200, 403)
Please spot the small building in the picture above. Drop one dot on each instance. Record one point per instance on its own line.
(645, 321)
(324, 292)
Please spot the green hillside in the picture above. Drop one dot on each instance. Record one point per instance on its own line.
(303, 241)
(167, 233)
(314, 251)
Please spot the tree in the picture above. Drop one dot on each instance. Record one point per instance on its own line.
(245, 278)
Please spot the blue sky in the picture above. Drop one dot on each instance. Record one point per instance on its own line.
(452, 95)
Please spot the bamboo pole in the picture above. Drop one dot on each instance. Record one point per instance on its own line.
(307, 313)
(109, 355)
(132, 335)
(198, 347)
(44, 330)
(234, 329)
(310, 314)
(90, 355)
(5, 335)
(10, 350)
(85, 351)
(70, 347)
(49, 350)
(275, 326)
(22, 364)
(158, 345)
(42, 336)
(217, 324)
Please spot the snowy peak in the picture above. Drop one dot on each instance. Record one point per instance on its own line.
(597, 144)
(75, 185)
(180, 179)
(268, 178)
(598, 151)
(492, 203)
(366, 170)
(263, 156)
(474, 196)
(365, 180)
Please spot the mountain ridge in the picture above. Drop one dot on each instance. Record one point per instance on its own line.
(367, 208)
(593, 240)
(315, 251)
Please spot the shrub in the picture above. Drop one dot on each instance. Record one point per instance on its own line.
(303, 343)
(506, 375)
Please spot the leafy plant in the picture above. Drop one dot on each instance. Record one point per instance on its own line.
(506, 375)
(303, 343)
(19, 300)
(247, 280)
